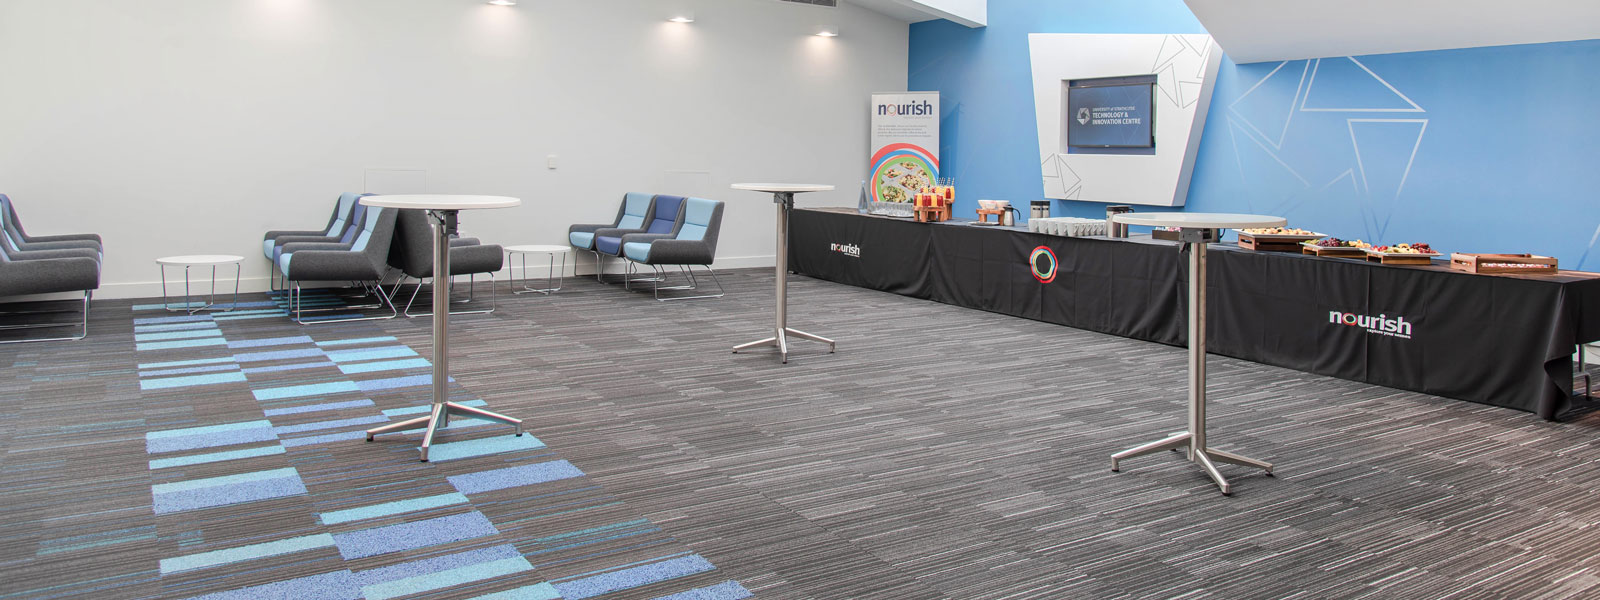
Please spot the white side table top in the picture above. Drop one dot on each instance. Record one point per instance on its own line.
(441, 202)
(200, 259)
(1199, 220)
(539, 248)
(776, 188)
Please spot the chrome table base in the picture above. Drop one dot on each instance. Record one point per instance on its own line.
(444, 225)
(785, 202)
(1195, 438)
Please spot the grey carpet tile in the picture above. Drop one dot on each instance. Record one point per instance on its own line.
(940, 453)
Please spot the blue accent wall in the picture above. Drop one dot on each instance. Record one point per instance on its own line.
(1473, 150)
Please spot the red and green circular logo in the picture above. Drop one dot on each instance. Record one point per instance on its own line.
(1043, 262)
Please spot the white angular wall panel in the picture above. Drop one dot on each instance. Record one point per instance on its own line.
(1185, 67)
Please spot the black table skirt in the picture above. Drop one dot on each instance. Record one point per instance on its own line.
(1505, 340)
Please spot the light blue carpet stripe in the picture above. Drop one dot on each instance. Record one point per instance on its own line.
(173, 327)
(277, 315)
(177, 319)
(376, 385)
(305, 408)
(385, 365)
(436, 564)
(314, 389)
(277, 355)
(537, 591)
(416, 534)
(200, 459)
(312, 440)
(144, 307)
(293, 367)
(335, 517)
(192, 380)
(278, 341)
(195, 484)
(185, 371)
(244, 553)
(369, 340)
(216, 341)
(210, 440)
(486, 446)
(352, 315)
(185, 363)
(371, 354)
(177, 335)
(187, 431)
(633, 577)
(338, 585)
(727, 590)
(223, 495)
(426, 408)
(509, 477)
(335, 424)
(444, 579)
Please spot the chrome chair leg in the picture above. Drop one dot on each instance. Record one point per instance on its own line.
(471, 291)
(83, 325)
(297, 299)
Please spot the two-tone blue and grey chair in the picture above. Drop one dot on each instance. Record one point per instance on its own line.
(344, 220)
(666, 214)
(635, 208)
(412, 255)
(692, 243)
(49, 265)
(364, 261)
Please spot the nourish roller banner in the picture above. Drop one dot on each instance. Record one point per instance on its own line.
(905, 147)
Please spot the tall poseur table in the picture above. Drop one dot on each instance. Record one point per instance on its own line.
(783, 196)
(442, 213)
(1196, 231)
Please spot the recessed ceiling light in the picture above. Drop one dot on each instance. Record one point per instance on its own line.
(503, 2)
(827, 33)
(681, 19)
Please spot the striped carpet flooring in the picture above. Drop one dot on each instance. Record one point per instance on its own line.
(941, 453)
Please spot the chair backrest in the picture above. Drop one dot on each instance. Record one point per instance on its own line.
(412, 250)
(357, 215)
(702, 221)
(635, 208)
(377, 234)
(344, 213)
(666, 216)
(10, 231)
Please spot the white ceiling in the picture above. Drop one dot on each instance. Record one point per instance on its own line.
(1271, 30)
(894, 9)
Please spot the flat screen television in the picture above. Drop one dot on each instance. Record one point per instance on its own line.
(1111, 115)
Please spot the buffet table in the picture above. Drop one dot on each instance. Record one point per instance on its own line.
(1505, 340)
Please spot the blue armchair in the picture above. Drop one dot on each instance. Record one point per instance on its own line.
(692, 243)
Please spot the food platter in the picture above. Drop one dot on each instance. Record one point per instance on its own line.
(1531, 264)
(1311, 247)
(1289, 235)
(1402, 254)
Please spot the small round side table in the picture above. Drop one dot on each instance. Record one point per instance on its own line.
(199, 260)
(552, 279)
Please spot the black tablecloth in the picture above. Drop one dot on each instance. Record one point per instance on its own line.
(1505, 340)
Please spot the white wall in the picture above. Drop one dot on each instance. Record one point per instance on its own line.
(193, 126)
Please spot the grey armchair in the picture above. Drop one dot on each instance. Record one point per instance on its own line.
(362, 260)
(412, 254)
(16, 239)
(693, 243)
(48, 272)
(345, 218)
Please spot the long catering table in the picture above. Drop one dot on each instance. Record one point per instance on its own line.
(1505, 340)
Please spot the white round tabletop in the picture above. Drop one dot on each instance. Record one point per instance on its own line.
(200, 259)
(541, 248)
(783, 187)
(441, 202)
(1199, 220)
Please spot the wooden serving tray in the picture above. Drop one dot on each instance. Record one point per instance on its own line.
(1480, 263)
(1400, 259)
(1332, 250)
(1275, 242)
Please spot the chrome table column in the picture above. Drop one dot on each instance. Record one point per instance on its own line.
(1195, 238)
(783, 196)
(444, 226)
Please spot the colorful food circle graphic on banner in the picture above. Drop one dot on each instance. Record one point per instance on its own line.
(1044, 264)
(899, 171)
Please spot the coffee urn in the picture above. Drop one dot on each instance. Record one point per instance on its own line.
(1113, 228)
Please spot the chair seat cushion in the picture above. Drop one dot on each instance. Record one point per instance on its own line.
(637, 251)
(608, 245)
(581, 240)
